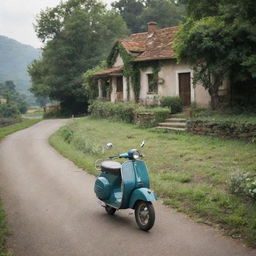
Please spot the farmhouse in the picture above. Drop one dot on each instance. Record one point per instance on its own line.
(143, 68)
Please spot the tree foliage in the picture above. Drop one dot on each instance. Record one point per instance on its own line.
(137, 13)
(218, 39)
(90, 84)
(15, 101)
(78, 34)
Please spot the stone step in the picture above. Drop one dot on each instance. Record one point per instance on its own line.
(170, 124)
(171, 128)
(176, 119)
(179, 115)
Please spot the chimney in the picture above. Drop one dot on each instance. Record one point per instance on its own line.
(152, 26)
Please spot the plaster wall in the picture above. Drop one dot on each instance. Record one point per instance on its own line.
(169, 83)
(119, 61)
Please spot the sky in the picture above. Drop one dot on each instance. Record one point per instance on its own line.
(17, 18)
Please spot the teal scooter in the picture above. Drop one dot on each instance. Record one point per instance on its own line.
(126, 185)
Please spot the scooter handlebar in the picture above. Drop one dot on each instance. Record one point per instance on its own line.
(114, 157)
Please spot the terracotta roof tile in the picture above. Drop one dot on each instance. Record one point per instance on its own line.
(133, 46)
(109, 71)
(153, 46)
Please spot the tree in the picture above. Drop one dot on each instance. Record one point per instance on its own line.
(205, 45)
(137, 13)
(165, 12)
(218, 39)
(131, 11)
(78, 34)
(13, 98)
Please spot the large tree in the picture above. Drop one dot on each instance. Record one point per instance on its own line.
(78, 34)
(219, 39)
(137, 13)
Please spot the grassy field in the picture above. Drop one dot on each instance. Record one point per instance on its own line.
(4, 131)
(189, 172)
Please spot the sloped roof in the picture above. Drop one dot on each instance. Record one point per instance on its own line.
(159, 45)
(152, 46)
(111, 71)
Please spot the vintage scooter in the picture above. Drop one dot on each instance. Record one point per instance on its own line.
(126, 185)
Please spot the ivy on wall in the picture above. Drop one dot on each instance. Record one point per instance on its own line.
(131, 68)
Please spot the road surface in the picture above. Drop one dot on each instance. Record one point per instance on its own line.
(52, 210)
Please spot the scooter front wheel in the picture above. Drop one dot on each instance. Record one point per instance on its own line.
(144, 215)
(110, 210)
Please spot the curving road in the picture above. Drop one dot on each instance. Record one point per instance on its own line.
(52, 210)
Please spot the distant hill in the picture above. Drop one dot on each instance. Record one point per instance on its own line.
(14, 59)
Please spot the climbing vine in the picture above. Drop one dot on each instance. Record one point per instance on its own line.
(131, 68)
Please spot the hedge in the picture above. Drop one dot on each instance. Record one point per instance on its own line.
(128, 112)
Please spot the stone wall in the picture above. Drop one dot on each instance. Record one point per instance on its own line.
(144, 119)
(232, 130)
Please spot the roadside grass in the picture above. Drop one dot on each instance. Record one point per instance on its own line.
(4, 131)
(188, 172)
(210, 115)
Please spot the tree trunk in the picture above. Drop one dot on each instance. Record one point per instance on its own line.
(214, 100)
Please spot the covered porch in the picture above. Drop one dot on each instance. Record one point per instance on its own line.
(114, 86)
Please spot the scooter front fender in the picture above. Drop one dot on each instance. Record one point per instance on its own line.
(141, 194)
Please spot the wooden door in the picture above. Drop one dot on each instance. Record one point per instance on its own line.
(119, 88)
(185, 88)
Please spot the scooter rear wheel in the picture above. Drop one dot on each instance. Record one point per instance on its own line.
(145, 215)
(110, 210)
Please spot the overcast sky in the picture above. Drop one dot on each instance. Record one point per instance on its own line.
(17, 17)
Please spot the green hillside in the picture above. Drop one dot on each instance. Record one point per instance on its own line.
(14, 59)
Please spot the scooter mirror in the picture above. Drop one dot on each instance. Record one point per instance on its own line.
(142, 144)
(109, 145)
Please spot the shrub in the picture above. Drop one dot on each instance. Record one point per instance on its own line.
(243, 184)
(114, 111)
(9, 111)
(173, 103)
(128, 112)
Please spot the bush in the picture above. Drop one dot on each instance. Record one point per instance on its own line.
(173, 103)
(243, 184)
(113, 111)
(9, 111)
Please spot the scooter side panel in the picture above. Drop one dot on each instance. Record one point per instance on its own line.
(129, 182)
(142, 174)
(143, 194)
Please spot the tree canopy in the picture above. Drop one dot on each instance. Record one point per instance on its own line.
(78, 35)
(13, 98)
(219, 39)
(137, 13)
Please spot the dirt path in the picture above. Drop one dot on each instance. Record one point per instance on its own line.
(52, 210)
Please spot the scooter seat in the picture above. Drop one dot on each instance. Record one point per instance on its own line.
(111, 167)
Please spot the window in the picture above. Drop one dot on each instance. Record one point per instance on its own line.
(152, 83)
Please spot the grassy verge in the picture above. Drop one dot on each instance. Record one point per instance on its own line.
(217, 116)
(188, 172)
(4, 131)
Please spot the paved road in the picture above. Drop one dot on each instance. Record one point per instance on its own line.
(53, 211)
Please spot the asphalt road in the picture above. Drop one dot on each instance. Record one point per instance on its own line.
(52, 210)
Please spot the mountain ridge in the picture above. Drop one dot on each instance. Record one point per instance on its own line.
(14, 59)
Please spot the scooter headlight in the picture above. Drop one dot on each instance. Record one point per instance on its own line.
(136, 155)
